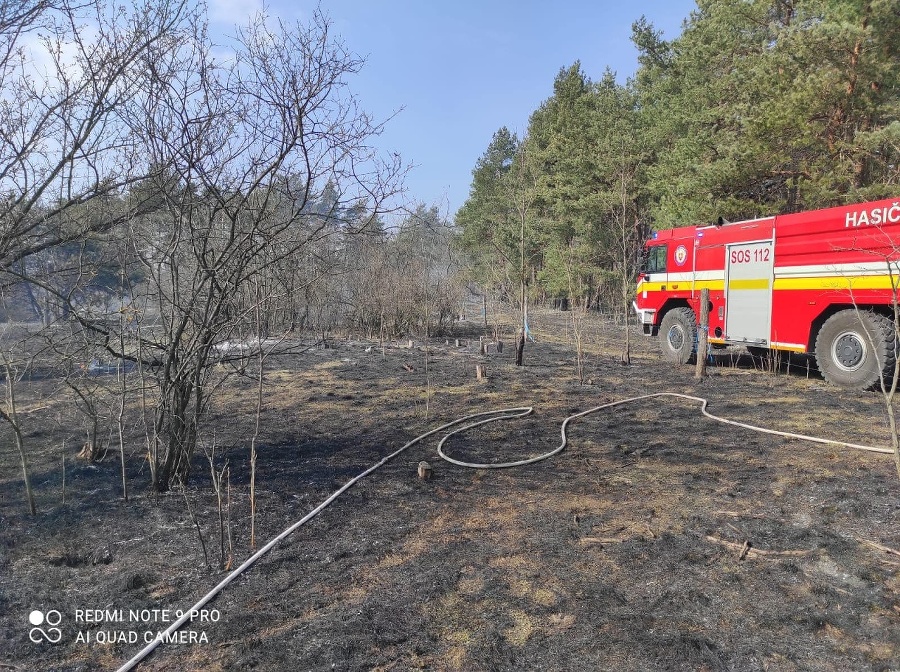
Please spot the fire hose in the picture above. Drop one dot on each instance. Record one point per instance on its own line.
(473, 420)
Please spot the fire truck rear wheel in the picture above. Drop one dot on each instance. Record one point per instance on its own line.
(854, 349)
(678, 335)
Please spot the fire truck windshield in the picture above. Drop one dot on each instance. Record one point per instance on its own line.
(655, 259)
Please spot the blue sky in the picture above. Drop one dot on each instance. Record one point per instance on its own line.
(458, 70)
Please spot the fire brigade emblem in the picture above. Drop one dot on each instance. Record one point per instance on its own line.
(680, 255)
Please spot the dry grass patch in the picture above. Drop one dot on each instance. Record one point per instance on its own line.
(521, 630)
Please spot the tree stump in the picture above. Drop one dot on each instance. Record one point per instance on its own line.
(425, 470)
(520, 346)
(481, 348)
(92, 452)
(499, 347)
(480, 372)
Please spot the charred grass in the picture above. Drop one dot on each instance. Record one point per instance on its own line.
(658, 540)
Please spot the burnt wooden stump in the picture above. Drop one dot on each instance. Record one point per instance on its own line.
(425, 470)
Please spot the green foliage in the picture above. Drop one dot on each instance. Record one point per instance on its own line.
(486, 222)
(772, 106)
(583, 138)
(758, 107)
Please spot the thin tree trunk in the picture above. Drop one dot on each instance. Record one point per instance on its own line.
(520, 346)
(12, 418)
(702, 334)
(29, 493)
(520, 341)
(259, 401)
(121, 418)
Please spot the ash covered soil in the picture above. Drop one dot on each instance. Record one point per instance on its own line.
(657, 540)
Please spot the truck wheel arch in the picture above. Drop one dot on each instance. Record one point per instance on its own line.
(670, 305)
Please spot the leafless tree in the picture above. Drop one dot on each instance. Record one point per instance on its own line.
(201, 175)
(244, 145)
(522, 188)
(158, 195)
(875, 327)
(62, 141)
(628, 236)
(65, 153)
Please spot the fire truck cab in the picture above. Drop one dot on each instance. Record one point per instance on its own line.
(822, 282)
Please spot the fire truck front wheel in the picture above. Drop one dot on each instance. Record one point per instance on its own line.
(854, 349)
(678, 335)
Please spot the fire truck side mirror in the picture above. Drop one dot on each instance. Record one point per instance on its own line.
(721, 221)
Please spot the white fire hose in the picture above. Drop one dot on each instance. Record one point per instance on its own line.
(483, 418)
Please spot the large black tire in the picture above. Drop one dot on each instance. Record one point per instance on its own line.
(678, 335)
(854, 349)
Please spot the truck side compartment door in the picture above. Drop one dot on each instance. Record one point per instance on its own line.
(749, 274)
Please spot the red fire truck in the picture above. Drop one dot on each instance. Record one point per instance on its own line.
(822, 282)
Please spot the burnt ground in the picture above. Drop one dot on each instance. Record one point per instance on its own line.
(658, 540)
